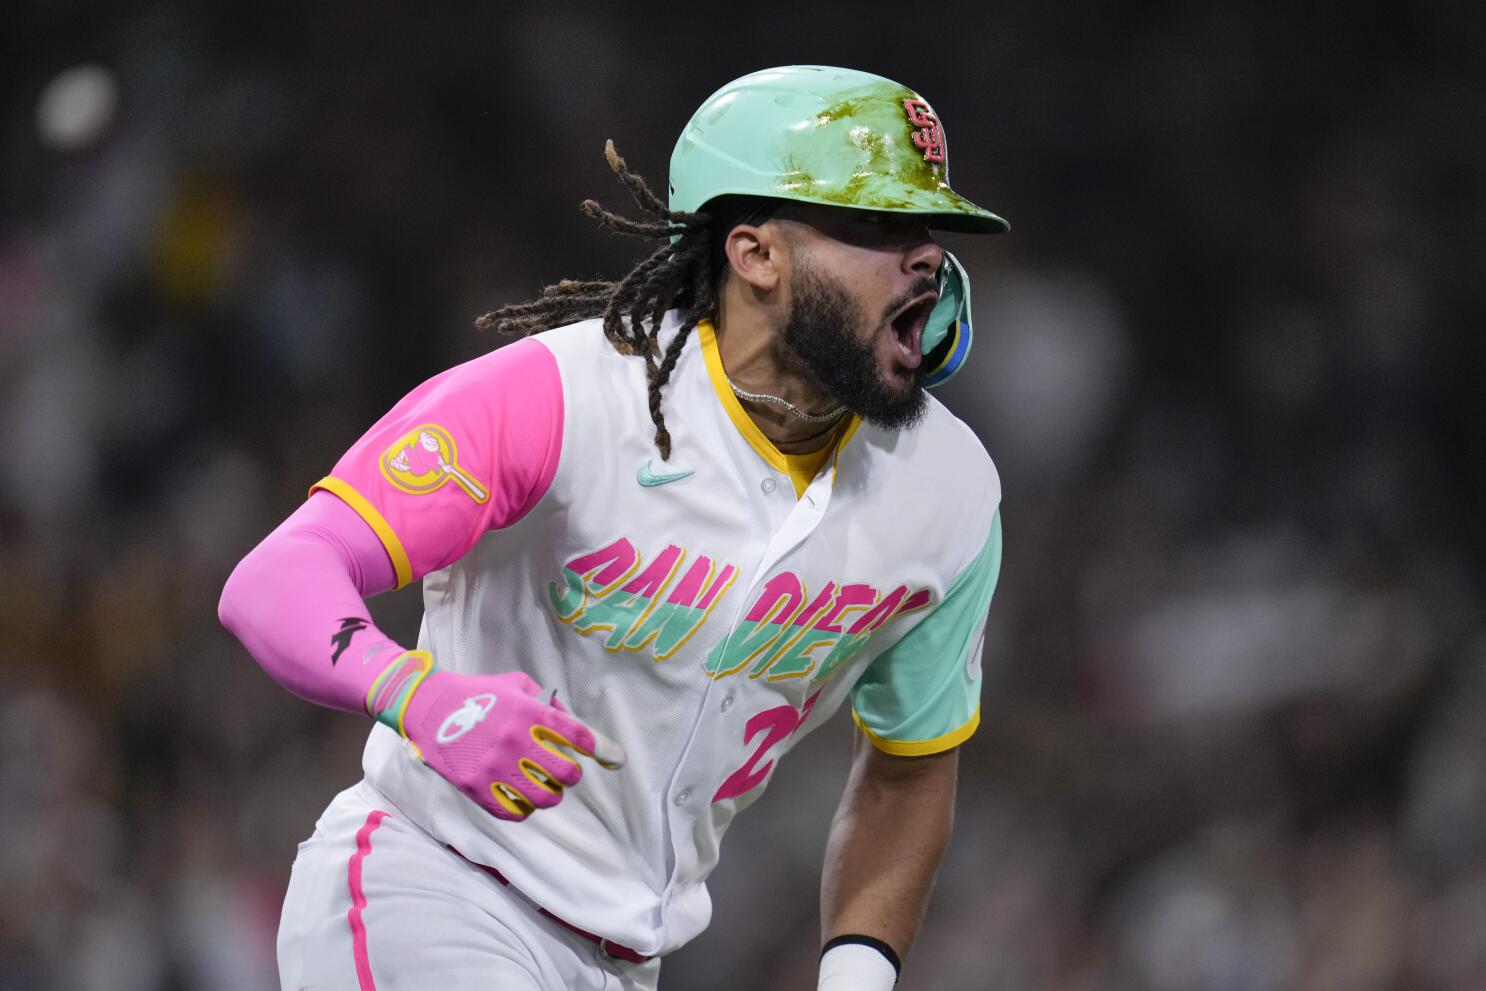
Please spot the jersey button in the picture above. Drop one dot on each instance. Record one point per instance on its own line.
(682, 796)
(767, 485)
(727, 702)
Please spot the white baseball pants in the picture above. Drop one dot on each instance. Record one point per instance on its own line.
(376, 903)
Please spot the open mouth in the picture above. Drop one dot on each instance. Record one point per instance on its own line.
(908, 328)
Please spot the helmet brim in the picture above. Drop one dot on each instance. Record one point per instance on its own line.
(944, 210)
(968, 223)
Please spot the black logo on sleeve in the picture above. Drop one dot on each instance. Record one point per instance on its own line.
(350, 626)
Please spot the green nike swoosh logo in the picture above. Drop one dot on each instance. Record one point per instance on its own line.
(648, 478)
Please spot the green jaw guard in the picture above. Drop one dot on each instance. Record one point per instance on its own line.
(946, 340)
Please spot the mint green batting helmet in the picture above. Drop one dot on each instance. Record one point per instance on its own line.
(836, 137)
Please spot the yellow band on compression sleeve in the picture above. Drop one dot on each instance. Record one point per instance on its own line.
(401, 566)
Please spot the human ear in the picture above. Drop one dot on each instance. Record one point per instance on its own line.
(753, 255)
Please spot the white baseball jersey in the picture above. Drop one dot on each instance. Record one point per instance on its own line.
(706, 612)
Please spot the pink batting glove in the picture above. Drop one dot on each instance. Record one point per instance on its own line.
(489, 735)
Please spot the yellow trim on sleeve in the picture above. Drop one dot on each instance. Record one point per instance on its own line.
(921, 748)
(801, 469)
(343, 489)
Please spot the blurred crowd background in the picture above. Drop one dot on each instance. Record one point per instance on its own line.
(1229, 363)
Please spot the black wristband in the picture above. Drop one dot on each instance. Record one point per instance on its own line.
(871, 941)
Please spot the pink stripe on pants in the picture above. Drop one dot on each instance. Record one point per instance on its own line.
(358, 900)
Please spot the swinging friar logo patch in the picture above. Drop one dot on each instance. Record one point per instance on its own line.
(424, 460)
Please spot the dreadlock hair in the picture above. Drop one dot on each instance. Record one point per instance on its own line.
(683, 275)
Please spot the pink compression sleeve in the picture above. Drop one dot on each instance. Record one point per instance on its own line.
(296, 603)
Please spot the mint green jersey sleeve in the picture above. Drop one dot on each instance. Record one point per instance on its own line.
(922, 696)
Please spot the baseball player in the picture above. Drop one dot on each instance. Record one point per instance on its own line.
(660, 540)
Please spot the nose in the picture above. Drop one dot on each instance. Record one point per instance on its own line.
(924, 257)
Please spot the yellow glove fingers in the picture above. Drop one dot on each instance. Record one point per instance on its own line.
(550, 740)
(538, 776)
(511, 800)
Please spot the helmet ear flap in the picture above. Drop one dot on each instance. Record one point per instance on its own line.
(946, 339)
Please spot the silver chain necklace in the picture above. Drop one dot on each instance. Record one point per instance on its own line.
(789, 407)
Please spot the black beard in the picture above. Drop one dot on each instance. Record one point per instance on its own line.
(820, 340)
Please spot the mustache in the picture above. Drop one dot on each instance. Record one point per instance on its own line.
(923, 285)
